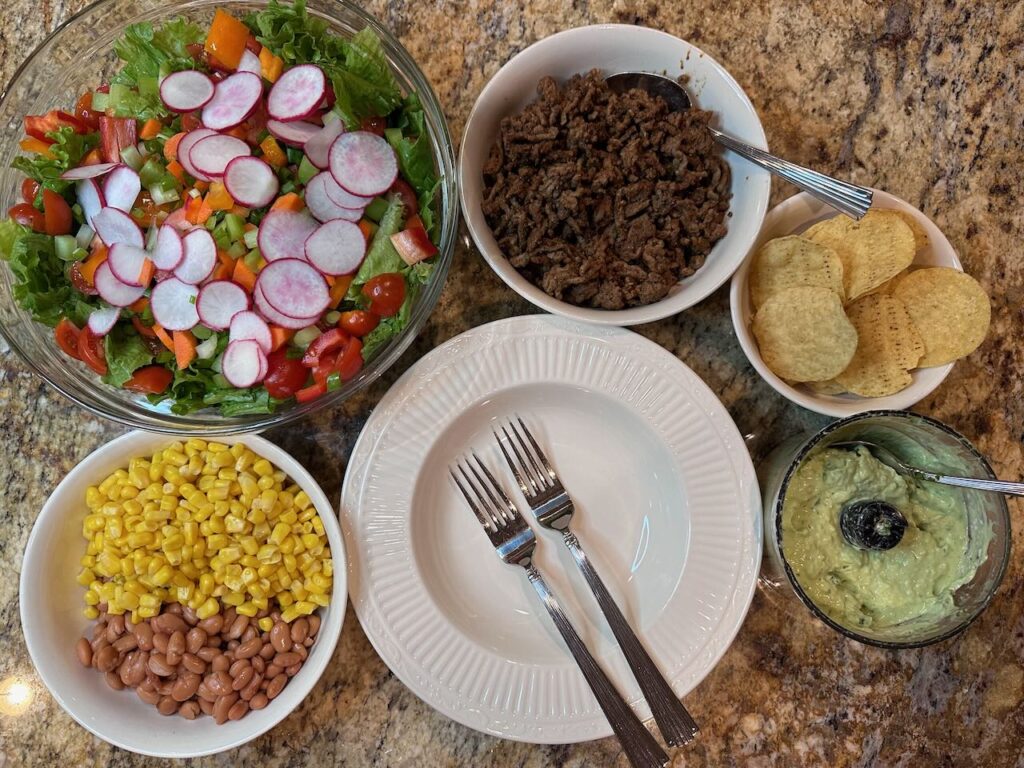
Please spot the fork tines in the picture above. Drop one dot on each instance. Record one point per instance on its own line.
(531, 465)
(490, 511)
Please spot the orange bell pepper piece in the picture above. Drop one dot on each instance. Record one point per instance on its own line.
(279, 337)
(146, 273)
(171, 146)
(197, 211)
(32, 144)
(93, 157)
(176, 170)
(272, 152)
(223, 271)
(339, 289)
(184, 348)
(368, 228)
(271, 65)
(226, 39)
(289, 202)
(218, 198)
(244, 276)
(88, 268)
(143, 329)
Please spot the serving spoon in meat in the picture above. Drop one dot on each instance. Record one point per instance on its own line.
(847, 198)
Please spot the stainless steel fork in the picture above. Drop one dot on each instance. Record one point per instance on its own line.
(554, 509)
(515, 543)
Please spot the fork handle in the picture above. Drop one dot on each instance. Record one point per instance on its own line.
(676, 725)
(637, 742)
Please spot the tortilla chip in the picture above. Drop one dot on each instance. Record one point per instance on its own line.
(788, 262)
(888, 347)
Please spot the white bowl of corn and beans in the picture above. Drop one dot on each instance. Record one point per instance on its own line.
(180, 598)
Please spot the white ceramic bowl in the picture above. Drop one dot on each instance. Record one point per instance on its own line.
(619, 48)
(791, 217)
(51, 617)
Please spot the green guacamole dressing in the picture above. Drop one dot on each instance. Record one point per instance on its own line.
(857, 588)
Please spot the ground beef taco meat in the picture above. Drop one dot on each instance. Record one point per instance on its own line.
(605, 200)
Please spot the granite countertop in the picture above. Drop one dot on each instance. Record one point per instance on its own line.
(917, 98)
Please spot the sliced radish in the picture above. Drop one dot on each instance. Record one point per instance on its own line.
(297, 93)
(219, 301)
(282, 234)
(112, 290)
(279, 318)
(168, 251)
(88, 171)
(343, 197)
(90, 197)
(234, 99)
(251, 182)
(243, 363)
(249, 325)
(318, 148)
(114, 226)
(121, 188)
(320, 203)
(294, 287)
(363, 163)
(211, 155)
(186, 90)
(199, 257)
(337, 248)
(185, 147)
(296, 134)
(174, 304)
(103, 319)
(128, 264)
(250, 63)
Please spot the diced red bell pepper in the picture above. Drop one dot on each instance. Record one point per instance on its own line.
(331, 341)
(116, 133)
(413, 244)
(312, 392)
(38, 126)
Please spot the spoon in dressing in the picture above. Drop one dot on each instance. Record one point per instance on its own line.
(846, 198)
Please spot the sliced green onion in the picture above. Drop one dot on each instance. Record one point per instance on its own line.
(251, 238)
(132, 158)
(306, 336)
(65, 246)
(162, 196)
(334, 382)
(306, 171)
(332, 317)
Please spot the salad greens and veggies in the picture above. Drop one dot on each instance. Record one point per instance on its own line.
(243, 215)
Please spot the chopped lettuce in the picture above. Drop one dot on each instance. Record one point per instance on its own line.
(40, 285)
(358, 68)
(150, 54)
(381, 257)
(67, 151)
(126, 352)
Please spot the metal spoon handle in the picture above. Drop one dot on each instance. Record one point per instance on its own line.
(848, 198)
(997, 486)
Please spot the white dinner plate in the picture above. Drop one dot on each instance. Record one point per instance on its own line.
(668, 508)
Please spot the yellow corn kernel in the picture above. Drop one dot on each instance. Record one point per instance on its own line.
(279, 534)
(247, 609)
(86, 577)
(90, 612)
(318, 526)
(265, 483)
(208, 608)
(91, 598)
(265, 624)
(233, 598)
(289, 614)
(149, 601)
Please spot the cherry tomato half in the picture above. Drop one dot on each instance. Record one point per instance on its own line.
(79, 282)
(285, 376)
(29, 190)
(358, 322)
(386, 293)
(351, 360)
(90, 347)
(150, 380)
(56, 213)
(67, 335)
(28, 216)
(374, 125)
(404, 190)
(85, 113)
(330, 341)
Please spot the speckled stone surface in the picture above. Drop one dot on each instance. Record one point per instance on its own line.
(919, 98)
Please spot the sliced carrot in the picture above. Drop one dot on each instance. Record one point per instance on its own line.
(32, 144)
(171, 146)
(249, 226)
(139, 305)
(146, 273)
(164, 336)
(289, 202)
(93, 157)
(240, 211)
(225, 258)
(91, 264)
(271, 65)
(239, 132)
(202, 186)
(244, 276)
(218, 198)
(272, 152)
(223, 271)
(367, 227)
(142, 328)
(197, 211)
(279, 337)
(226, 39)
(339, 289)
(184, 348)
(176, 170)
(150, 129)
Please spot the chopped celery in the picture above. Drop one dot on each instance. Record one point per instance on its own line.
(334, 382)
(253, 259)
(251, 238)
(65, 246)
(162, 195)
(332, 317)
(376, 209)
(151, 173)
(306, 336)
(132, 158)
(207, 349)
(236, 251)
(288, 186)
(100, 101)
(118, 93)
(80, 254)
(221, 237)
(235, 225)
(306, 170)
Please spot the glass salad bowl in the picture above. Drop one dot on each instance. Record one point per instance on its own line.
(77, 57)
